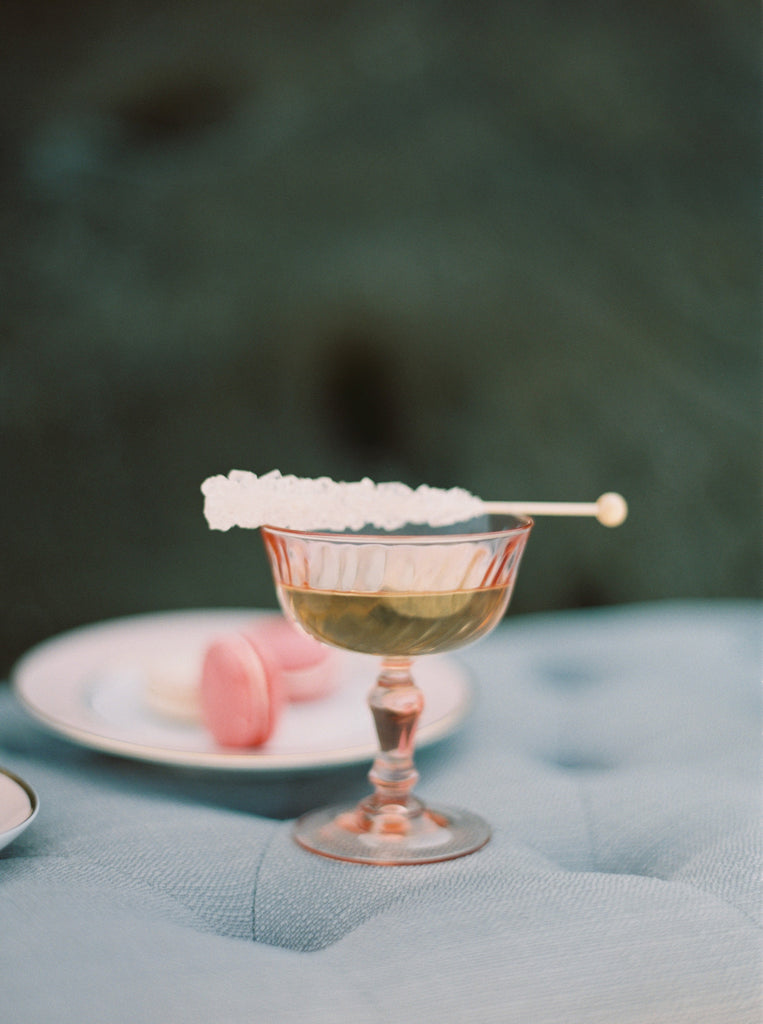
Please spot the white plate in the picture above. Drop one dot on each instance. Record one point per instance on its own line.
(18, 806)
(89, 685)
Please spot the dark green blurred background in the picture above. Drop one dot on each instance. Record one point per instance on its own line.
(509, 246)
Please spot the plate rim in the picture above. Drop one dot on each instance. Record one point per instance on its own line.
(221, 760)
(9, 834)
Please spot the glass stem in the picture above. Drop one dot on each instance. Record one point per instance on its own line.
(396, 704)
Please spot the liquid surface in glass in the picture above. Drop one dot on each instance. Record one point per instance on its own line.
(396, 624)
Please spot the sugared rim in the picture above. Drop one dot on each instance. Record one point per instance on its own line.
(523, 524)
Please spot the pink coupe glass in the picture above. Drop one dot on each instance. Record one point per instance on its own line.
(396, 595)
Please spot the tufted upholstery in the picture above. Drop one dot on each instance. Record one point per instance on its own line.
(616, 753)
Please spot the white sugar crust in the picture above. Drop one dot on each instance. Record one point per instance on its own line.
(246, 500)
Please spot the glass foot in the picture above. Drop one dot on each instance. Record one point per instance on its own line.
(391, 835)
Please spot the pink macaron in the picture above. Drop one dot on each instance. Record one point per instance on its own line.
(241, 692)
(308, 668)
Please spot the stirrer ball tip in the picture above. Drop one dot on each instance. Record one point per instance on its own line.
(611, 509)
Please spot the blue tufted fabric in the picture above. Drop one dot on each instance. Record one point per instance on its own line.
(616, 753)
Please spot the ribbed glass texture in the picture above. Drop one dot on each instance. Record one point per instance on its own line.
(368, 563)
(396, 595)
